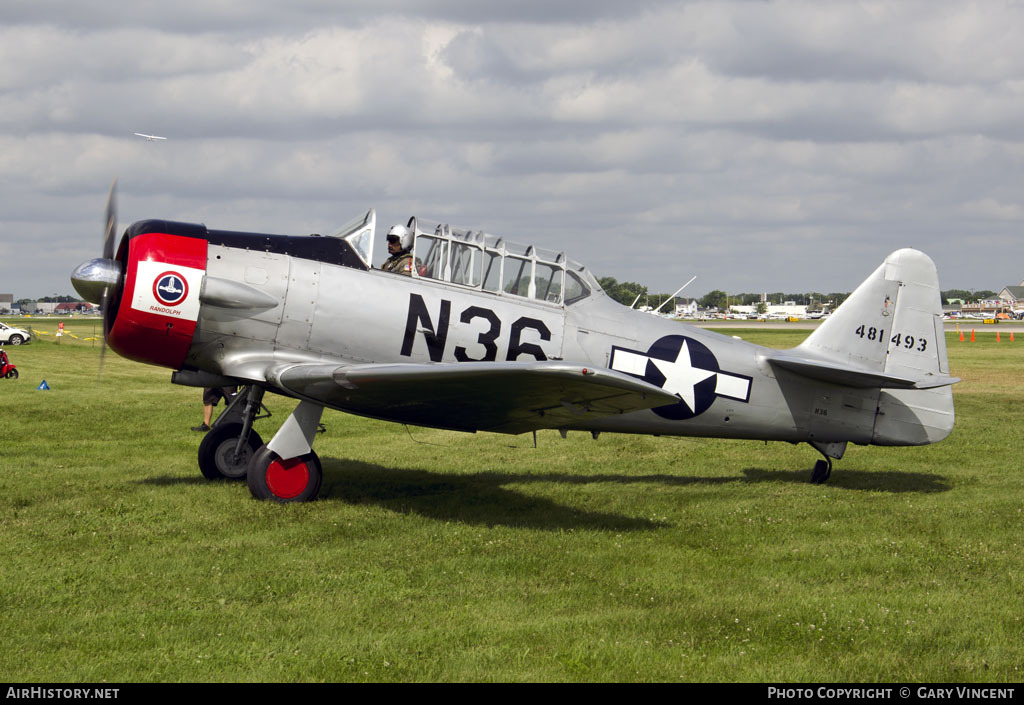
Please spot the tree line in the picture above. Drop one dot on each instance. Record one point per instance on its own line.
(626, 293)
(50, 300)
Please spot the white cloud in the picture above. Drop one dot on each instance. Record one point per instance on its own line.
(752, 133)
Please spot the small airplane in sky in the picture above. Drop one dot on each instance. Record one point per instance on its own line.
(149, 138)
(484, 334)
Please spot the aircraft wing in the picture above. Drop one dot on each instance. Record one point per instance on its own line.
(506, 397)
(845, 374)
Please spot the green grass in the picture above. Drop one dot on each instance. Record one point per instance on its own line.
(439, 556)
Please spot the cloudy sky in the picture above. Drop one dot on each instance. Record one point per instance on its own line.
(762, 146)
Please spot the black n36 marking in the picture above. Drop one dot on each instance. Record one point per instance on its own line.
(418, 320)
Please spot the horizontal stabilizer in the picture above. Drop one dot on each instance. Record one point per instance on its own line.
(849, 376)
(507, 397)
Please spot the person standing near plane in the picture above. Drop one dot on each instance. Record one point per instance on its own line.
(400, 242)
(212, 395)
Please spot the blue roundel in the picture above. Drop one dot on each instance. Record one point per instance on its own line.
(687, 368)
(170, 288)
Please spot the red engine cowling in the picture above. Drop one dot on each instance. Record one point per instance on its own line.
(158, 305)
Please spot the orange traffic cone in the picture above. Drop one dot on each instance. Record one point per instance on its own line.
(961, 336)
(972, 335)
(998, 340)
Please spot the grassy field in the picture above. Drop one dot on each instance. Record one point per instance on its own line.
(439, 556)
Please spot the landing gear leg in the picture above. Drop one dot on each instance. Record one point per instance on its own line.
(287, 469)
(227, 447)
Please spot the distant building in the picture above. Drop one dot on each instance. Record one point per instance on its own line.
(988, 307)
(73, 307)
(6, 303)
(1010, 300)
(686, 309)
(1013, 296)
(788, 309)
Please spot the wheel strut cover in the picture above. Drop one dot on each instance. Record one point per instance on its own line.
(287, 478)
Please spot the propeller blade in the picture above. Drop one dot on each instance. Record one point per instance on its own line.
(97, 279)
(111, 222)
(108, 254)
(103, 343)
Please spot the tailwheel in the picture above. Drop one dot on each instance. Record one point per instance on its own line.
(284, 480)
(828, 450)
(13, 374)
(220, 456)
(822, 471)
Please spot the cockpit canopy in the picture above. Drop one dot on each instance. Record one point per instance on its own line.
(358, 233)
(477, 260)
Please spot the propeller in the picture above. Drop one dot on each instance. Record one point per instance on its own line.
(108, 255)
(95, 280)
(111, 220)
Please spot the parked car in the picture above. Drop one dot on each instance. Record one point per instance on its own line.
(13, 336)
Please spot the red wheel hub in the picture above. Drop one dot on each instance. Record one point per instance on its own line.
(287, 478)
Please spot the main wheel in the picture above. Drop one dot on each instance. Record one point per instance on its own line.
(293, 480)
(217, 452)
(16, 340)
(821, 473)
(13, 374)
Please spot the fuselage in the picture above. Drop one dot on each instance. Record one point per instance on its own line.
(336, 313)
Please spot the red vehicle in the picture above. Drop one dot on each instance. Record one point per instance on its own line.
(7, 370)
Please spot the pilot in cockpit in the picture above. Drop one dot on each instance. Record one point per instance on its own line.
(400, 242)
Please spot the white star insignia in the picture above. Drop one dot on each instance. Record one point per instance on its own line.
(681, 376)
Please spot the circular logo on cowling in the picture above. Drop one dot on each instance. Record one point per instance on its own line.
(170, 288)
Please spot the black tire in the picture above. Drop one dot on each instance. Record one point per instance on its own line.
(217, 450)
(13, 374)
(821, 473)
(15, 340)
(295, 480)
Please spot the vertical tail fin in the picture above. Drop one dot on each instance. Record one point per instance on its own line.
(892, 325)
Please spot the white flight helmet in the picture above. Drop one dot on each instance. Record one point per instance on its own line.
(402, 234)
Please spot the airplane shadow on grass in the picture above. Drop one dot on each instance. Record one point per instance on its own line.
(476, 498)
(483, 498)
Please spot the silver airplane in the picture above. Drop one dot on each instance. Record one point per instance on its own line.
(488, 335)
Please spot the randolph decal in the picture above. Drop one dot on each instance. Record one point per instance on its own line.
(166, 289)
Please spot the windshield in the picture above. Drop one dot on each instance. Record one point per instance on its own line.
(358, 233)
